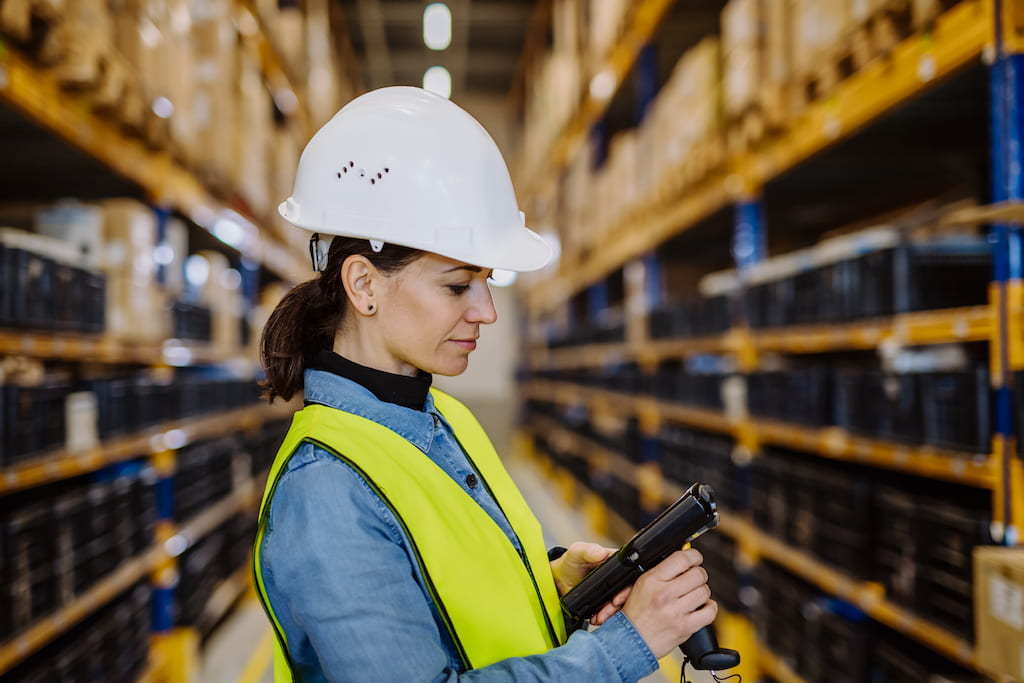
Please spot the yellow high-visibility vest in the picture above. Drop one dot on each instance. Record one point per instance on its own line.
(494, 603)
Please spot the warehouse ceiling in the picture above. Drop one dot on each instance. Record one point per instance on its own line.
(487, 41)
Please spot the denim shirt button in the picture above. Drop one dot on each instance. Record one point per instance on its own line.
(471, 481)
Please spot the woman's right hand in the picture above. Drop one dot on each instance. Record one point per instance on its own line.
(671, 602)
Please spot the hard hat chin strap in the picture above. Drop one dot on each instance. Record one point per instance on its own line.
(316, 254)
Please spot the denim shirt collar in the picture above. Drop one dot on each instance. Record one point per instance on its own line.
(335, 391)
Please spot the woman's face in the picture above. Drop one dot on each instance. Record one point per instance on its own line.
(430, 314)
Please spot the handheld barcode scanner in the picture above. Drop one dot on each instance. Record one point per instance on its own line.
(690, 516)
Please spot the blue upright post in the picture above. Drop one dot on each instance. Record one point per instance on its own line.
(645, 79)
(162, 216)
(749, 243)
(749, 246)
(1007, 125)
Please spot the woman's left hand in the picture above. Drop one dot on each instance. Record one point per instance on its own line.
(575, 563)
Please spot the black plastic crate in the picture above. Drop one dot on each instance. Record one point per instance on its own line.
(688, 455)
(33, 419)
(956, 407)
(695, 317)
(898, 659)
(844, 646)
(771, 496)
(897, 535)
(621, 496)
(703, 389)
(191, 321)
(781, 615)
(797, 395)
(719, 553)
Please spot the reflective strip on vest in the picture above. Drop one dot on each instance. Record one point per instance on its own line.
(495, 604)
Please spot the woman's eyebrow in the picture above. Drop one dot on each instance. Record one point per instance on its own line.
(472, 269)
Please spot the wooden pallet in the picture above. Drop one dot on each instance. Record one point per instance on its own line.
(34, 26)
(876, 37)
(774, 104)
(745, 131)
(924, 12)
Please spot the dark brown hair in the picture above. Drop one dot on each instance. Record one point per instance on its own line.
(305, 321)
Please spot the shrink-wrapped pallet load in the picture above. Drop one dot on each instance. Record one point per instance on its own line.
(253, 137)
(214, 96)
(136, 306)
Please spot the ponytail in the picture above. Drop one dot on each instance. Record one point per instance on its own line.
(306, 320)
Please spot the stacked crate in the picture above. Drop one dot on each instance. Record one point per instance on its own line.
(111, 645)
(688, 455)
(204, 474)
(823, 508)
(61, 540)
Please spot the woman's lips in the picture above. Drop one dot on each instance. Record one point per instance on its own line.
(468, 344)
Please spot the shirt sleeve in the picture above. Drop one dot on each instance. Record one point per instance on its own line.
(349, 598)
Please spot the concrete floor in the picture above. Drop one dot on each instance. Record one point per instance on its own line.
(240, 650)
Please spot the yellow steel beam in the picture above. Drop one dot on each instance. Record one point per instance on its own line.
(975, 323)
(1013, 26)
(1002, 212)
(62, 464)
(45, 630)
(101, 349)
(870, 597)
(36, 93)
(832, 442)
(775, 666)
(178, 653)
(908, 329)
(959, 37)
(635, 237)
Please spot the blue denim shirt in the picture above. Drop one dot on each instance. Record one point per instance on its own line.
(348, 593)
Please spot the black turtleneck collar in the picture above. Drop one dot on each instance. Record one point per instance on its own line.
(408, 392)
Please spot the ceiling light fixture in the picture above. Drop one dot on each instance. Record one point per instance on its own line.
(437, 26)
(437, 79)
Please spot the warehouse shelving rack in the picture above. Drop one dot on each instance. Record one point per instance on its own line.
(34, 92)
(172, 539)
(966, 34)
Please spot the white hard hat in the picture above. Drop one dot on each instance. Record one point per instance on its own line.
(409, 167)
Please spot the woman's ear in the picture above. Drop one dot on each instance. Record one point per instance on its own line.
(360, 278)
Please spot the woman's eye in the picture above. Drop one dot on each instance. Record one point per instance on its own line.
(456, 290)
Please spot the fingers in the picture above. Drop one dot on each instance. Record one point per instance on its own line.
(704, 616)
(609, 610)
(675, 564)
(589, 553)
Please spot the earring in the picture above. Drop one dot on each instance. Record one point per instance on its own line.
(370, 308)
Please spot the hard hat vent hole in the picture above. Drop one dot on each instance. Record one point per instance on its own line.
(373, 181)
(351, 163)
(387, 170)
(339, 174)
(345, 170)
(379, 176)
(362, 173)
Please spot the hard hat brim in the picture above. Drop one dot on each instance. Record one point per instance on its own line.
(520, 249)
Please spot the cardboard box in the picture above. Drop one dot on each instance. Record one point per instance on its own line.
(80, 225)
(999, 610)
(129, 231)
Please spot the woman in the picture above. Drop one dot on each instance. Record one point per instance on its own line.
(392, 544)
